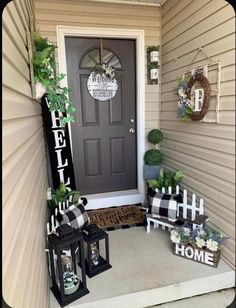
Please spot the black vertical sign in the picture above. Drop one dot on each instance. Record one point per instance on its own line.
(58, 142)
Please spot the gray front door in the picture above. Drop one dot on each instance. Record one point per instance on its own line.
(104, 132)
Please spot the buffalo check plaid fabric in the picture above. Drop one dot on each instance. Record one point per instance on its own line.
(164, 205)
(75, 216)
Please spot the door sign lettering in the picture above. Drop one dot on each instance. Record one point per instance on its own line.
(101, 87)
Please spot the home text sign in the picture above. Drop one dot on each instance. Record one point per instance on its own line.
(101, 88)
(196, 254)
(58, 142)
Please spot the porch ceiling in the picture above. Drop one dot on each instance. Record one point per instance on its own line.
(134, 2)
(145, 272)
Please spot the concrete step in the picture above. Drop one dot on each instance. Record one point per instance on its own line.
(145, 273)
(219, 299)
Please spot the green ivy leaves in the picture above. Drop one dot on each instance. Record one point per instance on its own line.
(45, 73)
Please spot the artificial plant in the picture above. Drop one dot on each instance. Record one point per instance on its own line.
(61, 195)
(153, 48)
(166, 179)
(153, 157)
(44, 66)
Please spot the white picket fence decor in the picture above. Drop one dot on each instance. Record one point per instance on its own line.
(53, 221)
(193, 209)
(52, 225)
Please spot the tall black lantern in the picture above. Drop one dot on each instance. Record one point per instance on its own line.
(95, 262)
(67, 284)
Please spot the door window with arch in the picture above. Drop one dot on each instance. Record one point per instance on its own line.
(92, 57)
(102, 83)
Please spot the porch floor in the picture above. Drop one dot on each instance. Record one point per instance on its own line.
(145, 272)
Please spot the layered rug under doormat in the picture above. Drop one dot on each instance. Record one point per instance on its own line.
(121, 217)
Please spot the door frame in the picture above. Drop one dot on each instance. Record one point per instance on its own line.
(116, 198)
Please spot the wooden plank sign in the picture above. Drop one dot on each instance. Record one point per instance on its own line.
(58, 143)
(200, 255)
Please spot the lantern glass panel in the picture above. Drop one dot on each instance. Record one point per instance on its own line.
(94, 254)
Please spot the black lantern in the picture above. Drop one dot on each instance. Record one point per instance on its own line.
(67, 285)
(95, 262)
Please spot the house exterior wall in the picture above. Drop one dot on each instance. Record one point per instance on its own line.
(25, 276)
(204, 151)
(91, 14)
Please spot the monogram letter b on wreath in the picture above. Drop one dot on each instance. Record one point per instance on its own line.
(194, 96)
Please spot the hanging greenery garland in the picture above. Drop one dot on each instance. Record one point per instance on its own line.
(48, 81)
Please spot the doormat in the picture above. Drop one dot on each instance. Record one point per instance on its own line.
(122, 217)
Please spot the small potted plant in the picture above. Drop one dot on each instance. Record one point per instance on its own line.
(166, 179)
(202, 246)
(153, 53)
(61, 194)
(154, 71)
(153, 157)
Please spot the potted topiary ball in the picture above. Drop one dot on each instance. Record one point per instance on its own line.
(153, 157)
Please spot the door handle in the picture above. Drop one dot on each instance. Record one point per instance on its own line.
(132, 131)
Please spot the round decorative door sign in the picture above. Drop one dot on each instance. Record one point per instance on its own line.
(101, 87)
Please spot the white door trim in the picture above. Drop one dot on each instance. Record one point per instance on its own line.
(120, 197)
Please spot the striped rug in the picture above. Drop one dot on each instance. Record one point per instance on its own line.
(121, 217)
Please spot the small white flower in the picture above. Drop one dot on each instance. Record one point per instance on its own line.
(201, 232)
(212, 245)
(175, 239)
(174, 236)
(200, 243)
(174, 232)
(186, 231)
(181, 92)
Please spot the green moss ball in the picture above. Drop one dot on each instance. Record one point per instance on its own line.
(153, 157)
(155, 136)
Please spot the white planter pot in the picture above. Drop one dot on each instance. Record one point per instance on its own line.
(154, 56)
(154, 73)
(39, 90)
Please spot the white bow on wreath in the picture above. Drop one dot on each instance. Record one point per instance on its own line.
(105, 70)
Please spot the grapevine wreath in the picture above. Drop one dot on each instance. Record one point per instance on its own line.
(196, 116)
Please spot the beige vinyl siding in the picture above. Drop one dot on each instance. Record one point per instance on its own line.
(91, 14)
(25, 276)
(204, 151)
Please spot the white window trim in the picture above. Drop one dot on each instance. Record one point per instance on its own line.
(117, 198)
